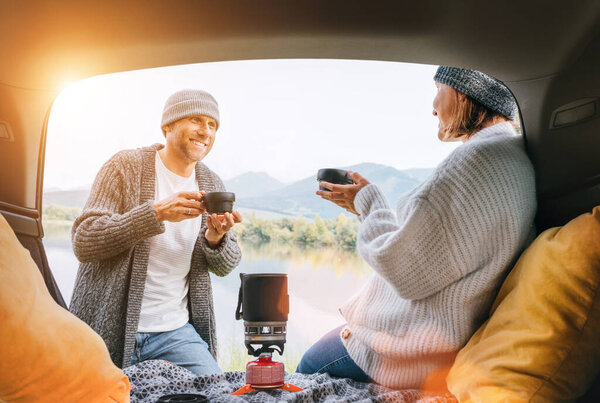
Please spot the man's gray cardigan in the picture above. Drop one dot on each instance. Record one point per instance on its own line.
(111, 239)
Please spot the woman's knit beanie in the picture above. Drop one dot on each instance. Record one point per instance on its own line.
(484, 89)
(188, 102)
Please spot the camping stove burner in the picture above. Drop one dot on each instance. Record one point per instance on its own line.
(268, 336)
(263, 303)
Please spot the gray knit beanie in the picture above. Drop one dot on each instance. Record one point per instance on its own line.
(188, 102)
(484, 89)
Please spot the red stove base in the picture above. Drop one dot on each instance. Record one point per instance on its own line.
(265, 373)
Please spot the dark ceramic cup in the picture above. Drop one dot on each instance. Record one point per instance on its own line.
(219, 202)
(182, 398)
(334, 175)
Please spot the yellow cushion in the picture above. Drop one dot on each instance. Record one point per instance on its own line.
(46, 353)
(542, 341)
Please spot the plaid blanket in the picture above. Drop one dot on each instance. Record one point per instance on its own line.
(155, 378)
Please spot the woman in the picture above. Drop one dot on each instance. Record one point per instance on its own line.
(440, 256)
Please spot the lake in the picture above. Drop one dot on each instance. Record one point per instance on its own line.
(319, 281)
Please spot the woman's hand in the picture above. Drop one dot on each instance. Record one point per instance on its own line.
(218, 225)
(180, 206)
(343, 195)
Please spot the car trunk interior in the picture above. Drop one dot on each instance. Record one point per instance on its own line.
(547, 53)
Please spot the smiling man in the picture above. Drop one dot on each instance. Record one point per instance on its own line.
(146, 244)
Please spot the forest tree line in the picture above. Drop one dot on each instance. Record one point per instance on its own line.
(338, 231)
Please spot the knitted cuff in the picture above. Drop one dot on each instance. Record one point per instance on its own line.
(369, 199)
(224, 257)
(144, 221)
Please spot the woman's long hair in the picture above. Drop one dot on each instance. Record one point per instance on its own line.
(469, 117)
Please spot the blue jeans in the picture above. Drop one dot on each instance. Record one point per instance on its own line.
(183, 347)
(329, 355)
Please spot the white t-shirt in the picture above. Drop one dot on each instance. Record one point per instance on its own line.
(164, 305)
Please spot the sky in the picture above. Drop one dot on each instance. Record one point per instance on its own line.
(287, 118)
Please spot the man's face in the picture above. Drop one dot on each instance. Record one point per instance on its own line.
(191, 138)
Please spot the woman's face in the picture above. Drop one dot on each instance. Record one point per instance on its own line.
(445, 105)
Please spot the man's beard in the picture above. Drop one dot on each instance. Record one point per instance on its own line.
(190, 154)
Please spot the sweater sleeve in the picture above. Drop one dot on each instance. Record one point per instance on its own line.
(223, 259)
(412, 252)
(104, 230)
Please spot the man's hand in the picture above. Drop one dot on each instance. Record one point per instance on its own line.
(218, 225)
(343, 195)
(180, 206)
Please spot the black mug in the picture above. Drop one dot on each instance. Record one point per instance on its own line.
(334, 175)
(219, 202)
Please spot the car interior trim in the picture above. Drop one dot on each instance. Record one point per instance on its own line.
(22, 220)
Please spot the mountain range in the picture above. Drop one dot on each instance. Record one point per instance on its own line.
(259, 193)
(298, 198)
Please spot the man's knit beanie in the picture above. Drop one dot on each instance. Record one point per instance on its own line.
(188, 102)
(484, 89)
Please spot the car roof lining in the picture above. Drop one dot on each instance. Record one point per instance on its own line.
(89, 38)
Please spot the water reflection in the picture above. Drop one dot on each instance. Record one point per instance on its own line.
(340, 261)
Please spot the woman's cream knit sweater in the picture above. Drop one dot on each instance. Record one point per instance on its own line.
(439, 258)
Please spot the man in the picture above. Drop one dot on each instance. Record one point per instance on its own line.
(146, 245)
